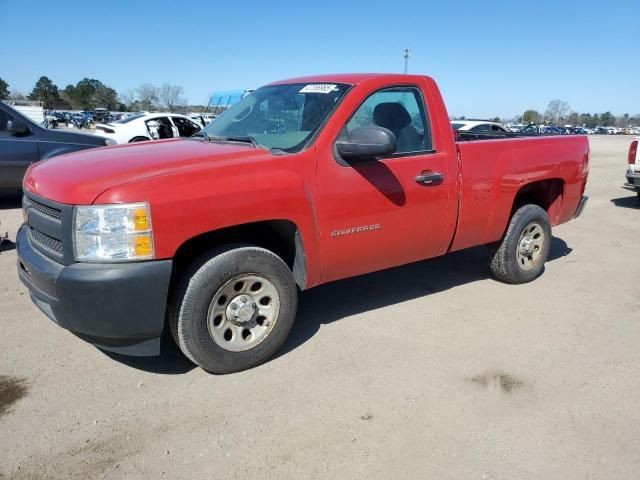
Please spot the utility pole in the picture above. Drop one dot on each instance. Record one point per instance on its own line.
(407, 55)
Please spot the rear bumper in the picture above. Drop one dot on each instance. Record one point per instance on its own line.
(581, 206)
(633, 181)
(116, 307)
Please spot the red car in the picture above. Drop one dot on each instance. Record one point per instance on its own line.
(303, 182)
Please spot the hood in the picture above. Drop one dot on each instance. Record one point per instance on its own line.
(78, 178)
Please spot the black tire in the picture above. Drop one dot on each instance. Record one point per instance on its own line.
(189, 309)
(138, 139)
(505, 261)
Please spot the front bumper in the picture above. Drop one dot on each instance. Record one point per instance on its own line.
(633, 181)
(116, 307)
(581, 206)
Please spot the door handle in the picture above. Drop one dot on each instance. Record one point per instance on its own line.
(429, 179)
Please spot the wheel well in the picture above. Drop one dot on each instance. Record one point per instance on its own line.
(139, 138)
(547, 194)
(278, 236)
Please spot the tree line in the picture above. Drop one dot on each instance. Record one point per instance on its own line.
(89, 93)
(559, 112)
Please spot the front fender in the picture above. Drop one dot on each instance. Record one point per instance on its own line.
(186, 205)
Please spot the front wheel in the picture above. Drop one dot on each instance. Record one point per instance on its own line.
(520, 256)
(234, 308)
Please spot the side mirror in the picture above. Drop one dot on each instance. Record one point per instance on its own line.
(367, 143)
(16, 127)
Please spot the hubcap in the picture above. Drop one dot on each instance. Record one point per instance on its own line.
(241, 309)
(530, 246)
(243, 312)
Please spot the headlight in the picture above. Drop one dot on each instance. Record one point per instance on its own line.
(110, 141)
(113, 233)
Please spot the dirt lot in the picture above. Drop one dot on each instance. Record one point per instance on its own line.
(432, 370)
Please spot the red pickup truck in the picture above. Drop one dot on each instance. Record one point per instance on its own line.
(303, 182)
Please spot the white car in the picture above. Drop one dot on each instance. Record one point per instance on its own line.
(633, 171)
(472, 126)
(149, 126)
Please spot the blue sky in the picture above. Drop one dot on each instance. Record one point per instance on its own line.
(489, 58)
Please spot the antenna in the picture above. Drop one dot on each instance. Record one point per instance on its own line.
(407, 55)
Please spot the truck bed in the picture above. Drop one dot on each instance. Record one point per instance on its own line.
(493, 171)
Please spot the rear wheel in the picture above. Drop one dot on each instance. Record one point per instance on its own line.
(234, 308)
(520, 256)
(138, 139)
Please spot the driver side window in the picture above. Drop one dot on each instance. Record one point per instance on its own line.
(399, 109)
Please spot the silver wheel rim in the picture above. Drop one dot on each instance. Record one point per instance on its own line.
(530, 246)
(243, 312)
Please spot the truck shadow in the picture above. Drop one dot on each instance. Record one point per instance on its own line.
(328, 303)
(6, 244)
(171, 361)
(332, 302)
(627, 202)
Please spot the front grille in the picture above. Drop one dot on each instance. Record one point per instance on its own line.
(45, 241)
(51, 212)
(49, 225)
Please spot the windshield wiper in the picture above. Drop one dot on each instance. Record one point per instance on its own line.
(242, 139)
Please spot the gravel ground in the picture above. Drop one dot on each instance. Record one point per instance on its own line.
(431, 370)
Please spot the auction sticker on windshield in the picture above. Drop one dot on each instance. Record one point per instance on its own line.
(318, 88)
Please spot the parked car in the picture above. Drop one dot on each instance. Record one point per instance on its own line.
(477, 127)
(60, 118)
(534, 129)
(300, 183)
(553, 130)
(578, 131)
(55, 119)
(81, 120)
(514, 128)
(100, 115)
(633, 170)
(153, 126)
(23, 142)
(199, 119)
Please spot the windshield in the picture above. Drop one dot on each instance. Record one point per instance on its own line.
(458, 126)
(283, 117)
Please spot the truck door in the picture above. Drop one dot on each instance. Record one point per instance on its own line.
(17, 152)
(389, 211)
